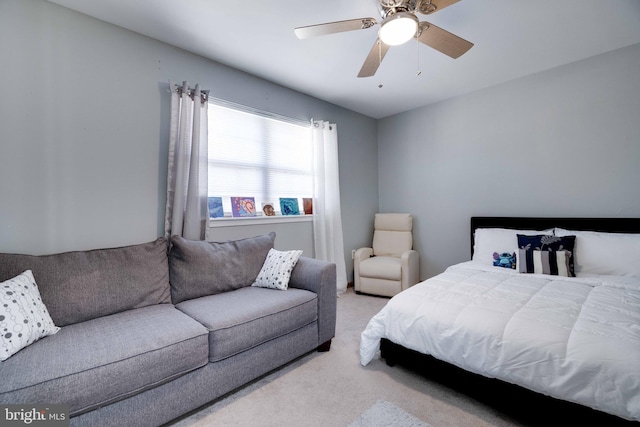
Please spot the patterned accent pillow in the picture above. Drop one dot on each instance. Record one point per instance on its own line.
(276, 270)
(24, 319)
(550, 243)
(555, 263)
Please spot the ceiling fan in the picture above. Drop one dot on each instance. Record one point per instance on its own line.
(399, 25)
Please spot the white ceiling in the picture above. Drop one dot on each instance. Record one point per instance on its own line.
(512, 38)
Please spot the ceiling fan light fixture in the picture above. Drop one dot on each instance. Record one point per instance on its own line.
(398, 28)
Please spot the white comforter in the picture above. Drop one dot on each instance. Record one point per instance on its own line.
(576, 339)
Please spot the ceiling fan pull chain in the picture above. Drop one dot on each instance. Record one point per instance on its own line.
(418, 56)
(380, 85)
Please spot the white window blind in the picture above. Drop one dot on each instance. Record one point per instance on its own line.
(253, 155)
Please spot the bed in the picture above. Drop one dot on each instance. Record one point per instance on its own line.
(548, 304)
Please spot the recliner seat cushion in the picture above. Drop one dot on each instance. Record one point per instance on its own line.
(381, 267)
(242, 319)
(100, 361)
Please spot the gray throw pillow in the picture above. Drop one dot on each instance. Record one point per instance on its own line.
(84, 285)
(199, 268)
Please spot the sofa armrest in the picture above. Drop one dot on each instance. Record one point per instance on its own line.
(319, 277)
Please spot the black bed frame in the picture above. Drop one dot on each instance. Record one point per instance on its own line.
(526, 406)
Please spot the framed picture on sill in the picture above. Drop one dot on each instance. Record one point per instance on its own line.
(215, 207)
(307, 205)
(268, 209)
(243, 206)
(289, 206)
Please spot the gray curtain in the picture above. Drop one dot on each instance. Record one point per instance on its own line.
(186, 213)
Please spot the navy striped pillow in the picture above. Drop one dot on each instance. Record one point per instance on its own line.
(555, 263)
(550, 243)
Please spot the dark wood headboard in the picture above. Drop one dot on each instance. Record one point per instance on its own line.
(610, 225)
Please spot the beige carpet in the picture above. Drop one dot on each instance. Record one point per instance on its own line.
(333, 389)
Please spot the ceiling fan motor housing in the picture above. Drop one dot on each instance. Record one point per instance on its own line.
(391, 3)
(391, 7)
(426, 7)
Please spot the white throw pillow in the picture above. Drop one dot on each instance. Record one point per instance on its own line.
(24, 319)
(611, 254)
(486, 241)
(276, 270)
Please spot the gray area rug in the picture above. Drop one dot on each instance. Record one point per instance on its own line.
(385, 414)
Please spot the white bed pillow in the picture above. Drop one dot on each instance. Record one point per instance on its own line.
(612, 254)
(486, 241)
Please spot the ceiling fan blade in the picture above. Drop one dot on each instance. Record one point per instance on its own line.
(375, 57)
(427, 7)
(334, 27)
(442, 40)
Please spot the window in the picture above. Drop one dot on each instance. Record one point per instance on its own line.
(254, 155)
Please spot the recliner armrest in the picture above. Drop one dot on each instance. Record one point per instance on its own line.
(410, 268)
(360, 255)
(363, 253)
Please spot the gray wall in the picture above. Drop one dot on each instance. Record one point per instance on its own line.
(565, 142)
(84, 132)
(84, 135)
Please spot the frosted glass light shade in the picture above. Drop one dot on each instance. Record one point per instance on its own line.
(398, 29)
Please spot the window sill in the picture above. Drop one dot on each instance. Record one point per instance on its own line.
(258, 220)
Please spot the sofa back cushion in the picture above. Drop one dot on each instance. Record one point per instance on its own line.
(84, 285)
(199, 268)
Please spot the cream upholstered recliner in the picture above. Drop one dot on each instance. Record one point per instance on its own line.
(391, 265)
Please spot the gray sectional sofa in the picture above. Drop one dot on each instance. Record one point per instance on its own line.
(147, 336)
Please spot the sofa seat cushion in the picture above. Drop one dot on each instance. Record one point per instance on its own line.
(382, 267)
(100, 361)
(242, 319)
